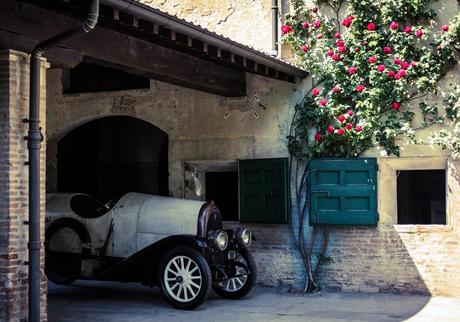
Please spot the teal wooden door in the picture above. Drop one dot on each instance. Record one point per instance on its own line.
(263, 187)
(343, 191)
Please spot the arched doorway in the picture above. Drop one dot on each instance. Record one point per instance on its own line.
(111, 156)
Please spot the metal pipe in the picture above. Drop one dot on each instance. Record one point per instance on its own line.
(275, 27)
(34, 139)
(160, 18)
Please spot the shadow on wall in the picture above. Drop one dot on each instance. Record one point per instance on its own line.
(363, 259)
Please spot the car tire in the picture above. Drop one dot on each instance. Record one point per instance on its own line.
(185, 278)
(232, 287)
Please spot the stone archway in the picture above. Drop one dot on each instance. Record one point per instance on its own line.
(110, 156)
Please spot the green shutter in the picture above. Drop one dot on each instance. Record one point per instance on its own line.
(343, 191)
(264, 190)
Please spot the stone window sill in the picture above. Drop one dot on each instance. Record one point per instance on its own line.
(416, 229)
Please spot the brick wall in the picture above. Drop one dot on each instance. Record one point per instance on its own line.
(14, 84)
(279, 263)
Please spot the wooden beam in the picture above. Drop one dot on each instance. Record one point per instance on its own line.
(129, 53)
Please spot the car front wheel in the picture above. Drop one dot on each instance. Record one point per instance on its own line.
(240, 275)
(185, 278)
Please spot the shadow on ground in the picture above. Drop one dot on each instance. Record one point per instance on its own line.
(117, 302)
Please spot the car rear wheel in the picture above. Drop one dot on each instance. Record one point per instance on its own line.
(185, 278)
(240, 275)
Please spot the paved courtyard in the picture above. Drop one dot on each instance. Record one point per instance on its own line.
(116, 302)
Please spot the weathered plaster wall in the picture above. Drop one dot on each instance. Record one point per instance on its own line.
(245, 21)
(200, 126)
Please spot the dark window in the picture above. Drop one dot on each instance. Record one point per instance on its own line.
(222, 187)
(422, 197)
(85, 78)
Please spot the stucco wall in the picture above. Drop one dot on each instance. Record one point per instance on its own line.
(200, 126)
(245, 21)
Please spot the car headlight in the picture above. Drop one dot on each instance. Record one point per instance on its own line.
(244, 236)
(220, 239)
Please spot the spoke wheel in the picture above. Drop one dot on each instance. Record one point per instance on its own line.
(185, 278)
(241, 275)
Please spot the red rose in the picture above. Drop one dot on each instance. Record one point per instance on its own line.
(341, 118)
(317, 137)
(397, 61)
(335, 57)
(408, 29)
(337, 35)
(349, 126)
(305, 25)
(330, 129)
(319, 36)
(330, 52)
(391, 74)
(350, 112)
(323, 102)
(360, 88)
(381, 68)
(315, 9)
(370, 26)
(358, 128)
(340, 131)
(387, 50)
(285, 29)
(316, 24)
(396, 105)
(357, 49)
(394, 25)
(401, 72)
(342, 49)
(352, 70)
(413, 63)
(419, 33)
(372, 59)
(445, 28)
(315, 91)
(397, 76)
(340, 43)
(336, 89)
(304, 48)
(405, 65)
(347, 21)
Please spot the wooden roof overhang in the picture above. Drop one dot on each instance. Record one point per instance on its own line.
(157, 45)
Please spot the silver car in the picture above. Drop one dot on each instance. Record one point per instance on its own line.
(177, 244)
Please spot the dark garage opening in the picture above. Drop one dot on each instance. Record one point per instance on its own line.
(222, 187)
(422, 197)
(111, 156)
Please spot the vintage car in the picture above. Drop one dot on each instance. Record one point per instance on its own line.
(177, 244)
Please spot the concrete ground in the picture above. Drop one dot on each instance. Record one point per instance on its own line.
(116, 302)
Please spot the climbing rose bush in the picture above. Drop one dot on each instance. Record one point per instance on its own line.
(381, 55)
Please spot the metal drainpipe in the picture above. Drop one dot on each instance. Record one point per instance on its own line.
(34, 139)
(275, 27)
